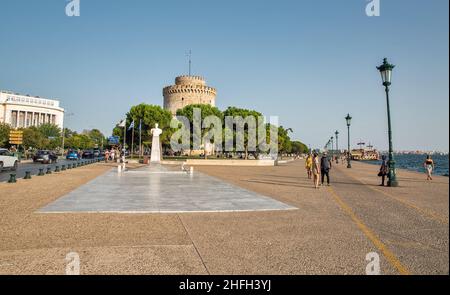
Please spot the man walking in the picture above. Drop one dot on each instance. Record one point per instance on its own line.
(325, 167)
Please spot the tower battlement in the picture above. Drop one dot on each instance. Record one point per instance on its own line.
(190, 80)
(188, 90)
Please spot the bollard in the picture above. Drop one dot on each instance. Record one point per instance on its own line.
(12, 178)
(49, 170)
(27, 175)
(63, 168)
(191, 170)
(41, 172)
(69, 166)
(57, 169)
(119, 169)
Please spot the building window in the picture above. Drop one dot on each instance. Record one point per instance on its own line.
(21, 119)
(28, 120)
(14, 119)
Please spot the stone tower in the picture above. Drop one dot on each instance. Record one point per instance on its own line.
(186, 91)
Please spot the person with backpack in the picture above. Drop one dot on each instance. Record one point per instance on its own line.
(325, 167)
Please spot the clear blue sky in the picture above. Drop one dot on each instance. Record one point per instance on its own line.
(307, 61)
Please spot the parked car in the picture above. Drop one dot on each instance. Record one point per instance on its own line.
(88, 154)
(72, 155)
(97, 153)
(8, 160)
(45, 157)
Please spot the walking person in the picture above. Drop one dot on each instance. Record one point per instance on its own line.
(325, 167)
(106, 156)
(383, 170)
(429, 167)
(309, 165)
(316, 170)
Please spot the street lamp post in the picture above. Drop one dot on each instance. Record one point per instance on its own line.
(349, 155)
(332, 146)
(64, 133)
(386, 75)
(337, 146)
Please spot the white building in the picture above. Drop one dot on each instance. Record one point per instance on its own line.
(21, 111)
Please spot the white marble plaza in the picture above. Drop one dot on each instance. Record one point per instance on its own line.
(155, 189)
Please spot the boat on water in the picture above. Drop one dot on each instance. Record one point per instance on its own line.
(365, 153)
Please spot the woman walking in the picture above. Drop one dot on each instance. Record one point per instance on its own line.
(383, 170)
(429, 167)
(308, 165)
(316, 170)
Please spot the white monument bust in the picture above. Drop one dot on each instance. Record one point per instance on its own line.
(156, 151)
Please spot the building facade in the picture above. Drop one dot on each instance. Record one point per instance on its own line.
(22, 111)
(188, 90)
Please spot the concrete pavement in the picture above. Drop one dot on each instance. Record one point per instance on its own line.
(331, 232)
(156, 189)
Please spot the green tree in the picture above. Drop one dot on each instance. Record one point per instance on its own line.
(205, 111)
(4, 134)
(96, 136)
(243, 113)
(33, 138)
(284, 141)
(299, 148)
(149, 115)
(79, 141)
(49, 130)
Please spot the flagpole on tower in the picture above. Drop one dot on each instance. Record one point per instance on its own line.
(189, 54)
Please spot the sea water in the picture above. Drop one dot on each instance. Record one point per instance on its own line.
(414, 162)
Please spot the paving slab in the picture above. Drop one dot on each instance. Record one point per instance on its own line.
(156, 189)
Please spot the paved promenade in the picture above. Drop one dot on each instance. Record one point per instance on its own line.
(331, 232)
(156, 189)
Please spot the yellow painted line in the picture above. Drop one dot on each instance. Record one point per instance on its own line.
(391, 258)
(427, 213)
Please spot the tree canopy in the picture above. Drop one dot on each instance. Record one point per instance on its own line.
(149, 115)
(49, 136)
